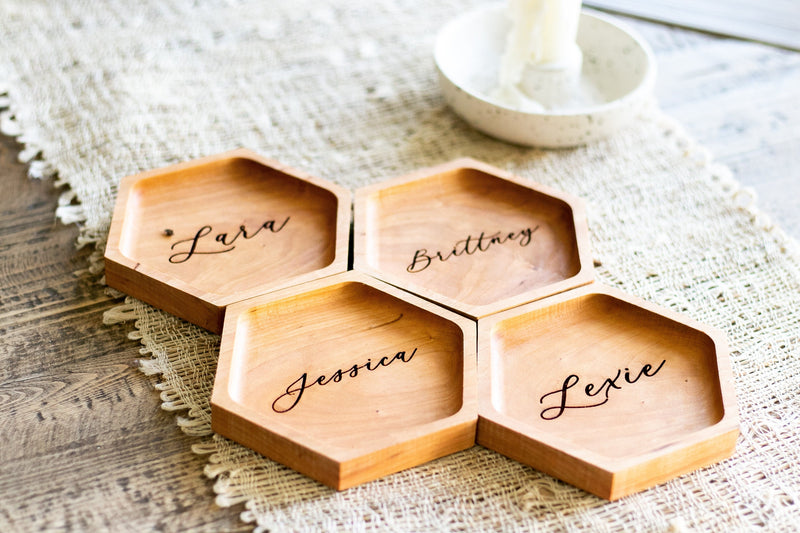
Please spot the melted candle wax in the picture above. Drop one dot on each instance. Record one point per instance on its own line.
(540, 69)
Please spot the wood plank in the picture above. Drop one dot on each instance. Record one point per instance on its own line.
(60, 407)
(141, 479)
(737, 99)
(86, 445)
(776, 22)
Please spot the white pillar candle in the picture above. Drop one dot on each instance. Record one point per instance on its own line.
(542, 32)
(542, 61)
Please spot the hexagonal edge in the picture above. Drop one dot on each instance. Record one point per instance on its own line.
(344, 210)
(584, 276)
(344, 468)
(602, 476)
(180, 298)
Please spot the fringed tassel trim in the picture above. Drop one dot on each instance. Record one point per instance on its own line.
(118, 314)
(745, 198)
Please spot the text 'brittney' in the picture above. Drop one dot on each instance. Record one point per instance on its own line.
(422, 259)
(219, 244)
(553, 412)
(289, 399)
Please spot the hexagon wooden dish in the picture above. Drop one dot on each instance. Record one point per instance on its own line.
(605, 391)
(194, 237)
(471, 237)
(346, 379)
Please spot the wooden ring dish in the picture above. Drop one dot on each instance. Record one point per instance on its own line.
(605, 391)
(194, 237)
(471, 237)
(346, 379)
(348, 376)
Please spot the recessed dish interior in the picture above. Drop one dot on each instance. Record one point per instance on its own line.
(229, 225)
(468, 52)
(470, 236)
(605, 375)
(347, 364)
(613, 60)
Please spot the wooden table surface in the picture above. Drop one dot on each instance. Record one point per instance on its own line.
(85, 445)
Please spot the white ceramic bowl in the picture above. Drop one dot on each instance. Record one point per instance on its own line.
(615, 61)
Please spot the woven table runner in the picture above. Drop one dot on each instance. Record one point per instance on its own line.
(100, 90)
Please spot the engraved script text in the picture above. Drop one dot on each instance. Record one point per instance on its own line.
(553, 412)
(291, 397)
(219, 244)
(422, 258)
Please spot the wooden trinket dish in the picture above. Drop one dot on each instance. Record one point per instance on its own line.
(195, 237)
(346, 379)
(471, 237)
(605, 391)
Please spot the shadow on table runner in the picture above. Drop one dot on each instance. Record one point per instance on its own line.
(667, 225)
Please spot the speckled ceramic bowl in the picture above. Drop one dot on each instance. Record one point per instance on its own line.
(616, 62)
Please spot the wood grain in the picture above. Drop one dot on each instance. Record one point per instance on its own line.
(192, 238)
(472, 237)
(80, 424)
(346, 379)
(605, 391)
(776, 22)
(736, 98)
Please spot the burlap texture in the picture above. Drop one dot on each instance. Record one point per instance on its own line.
(99, 90)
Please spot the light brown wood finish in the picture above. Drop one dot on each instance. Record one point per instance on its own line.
(85, 425)
(605, 391)
(472, 237)
(195, 237)
(346, 379)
